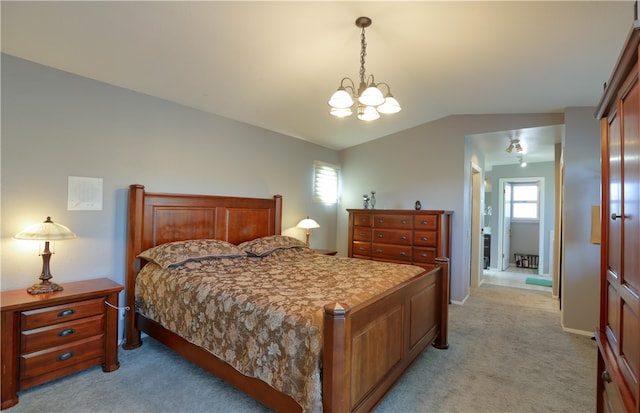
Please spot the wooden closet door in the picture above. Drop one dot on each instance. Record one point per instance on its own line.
(629, 287)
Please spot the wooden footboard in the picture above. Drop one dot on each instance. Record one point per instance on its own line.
(368, 347)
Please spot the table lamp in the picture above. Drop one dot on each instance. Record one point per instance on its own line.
(307, 224)
(45, 231)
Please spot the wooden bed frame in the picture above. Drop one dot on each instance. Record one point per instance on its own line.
(366, 347)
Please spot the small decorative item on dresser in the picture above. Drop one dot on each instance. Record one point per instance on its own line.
(365, 201)
(418, 205)
(372, 199)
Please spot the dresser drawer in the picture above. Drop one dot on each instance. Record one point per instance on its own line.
(361, 248)
(391, 252)
(45, 361)
(363, 220)
(361, 234)
(392, 221)
(392, 236)
(424, 255)
(61, 313)
(425, 222)
(60, 334)
(426, 238)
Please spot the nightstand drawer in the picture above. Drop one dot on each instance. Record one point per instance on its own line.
(41, 362)
(61, 313)
(60, 334)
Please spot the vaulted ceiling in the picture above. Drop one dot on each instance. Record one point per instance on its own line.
(275, 64)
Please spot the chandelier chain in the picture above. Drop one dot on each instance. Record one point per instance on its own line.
(363, 53)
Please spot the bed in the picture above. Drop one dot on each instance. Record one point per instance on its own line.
(365, 343)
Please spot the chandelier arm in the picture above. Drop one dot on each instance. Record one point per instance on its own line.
(352, 86)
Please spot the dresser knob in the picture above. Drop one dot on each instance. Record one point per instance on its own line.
(66, 332)
(379, 235)
(378, 250)
(403, 237)
(380, 220)
(67, 312)
(424, 254)
(425, 238)
(65, 356)
(403, 253)
(404, 221)
(606, 376)
(424, 222)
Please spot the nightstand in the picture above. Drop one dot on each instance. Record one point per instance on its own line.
(48, 336)
(325, 252)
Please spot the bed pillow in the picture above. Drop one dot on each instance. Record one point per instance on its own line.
(266, 245)
(179, 252)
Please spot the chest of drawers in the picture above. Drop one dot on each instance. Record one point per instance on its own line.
(48, 336)
(403, 236)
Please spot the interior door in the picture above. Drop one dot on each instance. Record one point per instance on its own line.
(506, 226)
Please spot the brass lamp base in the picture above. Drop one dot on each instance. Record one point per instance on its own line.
(44, 287)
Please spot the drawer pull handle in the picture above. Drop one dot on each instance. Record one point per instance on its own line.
(361, 249)
(404, 221)
(380, 235)
(424, 254)
(606, 376)
(378, 250)
(65, 356)
(403, 237)
(67, 312)
(425, 238)
(424, 222)
(66, 332)
(403, 253)
(380, 220)
(362, 234)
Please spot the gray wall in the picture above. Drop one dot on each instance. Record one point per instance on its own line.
(56, 124)
(432, 163)
(581, 259)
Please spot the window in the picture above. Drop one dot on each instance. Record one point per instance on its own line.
(525, 204)
(325, 182)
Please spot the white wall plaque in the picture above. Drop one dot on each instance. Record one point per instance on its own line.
(85, 194)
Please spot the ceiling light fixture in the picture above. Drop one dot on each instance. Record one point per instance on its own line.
(523, 163)
(370, 100)
(514, 143)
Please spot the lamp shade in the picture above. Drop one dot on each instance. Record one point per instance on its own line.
(308, 223)
(46, 231)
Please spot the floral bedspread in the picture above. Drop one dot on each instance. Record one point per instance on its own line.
(263, 316)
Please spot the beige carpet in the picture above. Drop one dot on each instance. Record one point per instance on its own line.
(507, 354)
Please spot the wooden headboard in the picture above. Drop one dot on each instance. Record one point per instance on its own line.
(158, 218)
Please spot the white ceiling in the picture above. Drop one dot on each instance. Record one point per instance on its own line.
(275, 64)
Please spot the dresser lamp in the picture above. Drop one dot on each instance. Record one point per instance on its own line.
(46, 231)
(307, 224)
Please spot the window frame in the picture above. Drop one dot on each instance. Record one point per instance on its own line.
(321, 171)
(514, 185)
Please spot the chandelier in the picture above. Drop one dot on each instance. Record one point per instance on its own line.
(371, 102)
(514, 143)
